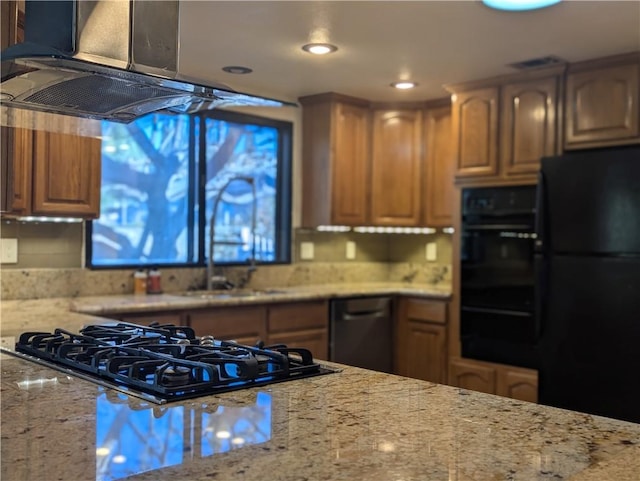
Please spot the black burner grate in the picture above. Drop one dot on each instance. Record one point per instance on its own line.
(167, 361)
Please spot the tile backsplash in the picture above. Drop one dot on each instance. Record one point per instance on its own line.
(50, 260)
(45, 244)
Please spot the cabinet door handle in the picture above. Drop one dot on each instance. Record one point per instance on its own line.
(362, 316)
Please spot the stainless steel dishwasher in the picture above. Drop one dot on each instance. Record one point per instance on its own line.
(361, 333)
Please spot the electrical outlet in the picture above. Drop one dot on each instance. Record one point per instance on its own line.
(9, 251)
(350, 250)
(431, 252)
(306, 251)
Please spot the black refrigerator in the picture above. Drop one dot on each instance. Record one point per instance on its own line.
(587, 265)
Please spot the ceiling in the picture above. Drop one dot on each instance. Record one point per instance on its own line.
(430, 42)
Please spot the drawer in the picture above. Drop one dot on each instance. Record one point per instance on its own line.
(427, 311)
(298, 316)
(146, 319)
(229, 323)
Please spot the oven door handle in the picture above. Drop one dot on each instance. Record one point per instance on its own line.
(505, 312)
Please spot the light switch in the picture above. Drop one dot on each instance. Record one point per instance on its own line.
(306, 251)
(351, 250)
(431, 252)
(9, 251)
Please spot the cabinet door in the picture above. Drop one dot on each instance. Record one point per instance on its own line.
(300, 324)
(316, 340)
(66, 175)
(350, 172)
(475, 132)
(146, 319)
(439, 163)
(602, 107)
(421, 349)
(17, 159)
(518, 384)
(396, 168)
(246, 325)
(529, 125)
(426, 351)
(470, 375)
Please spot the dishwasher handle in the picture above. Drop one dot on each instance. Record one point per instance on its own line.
(363, 315)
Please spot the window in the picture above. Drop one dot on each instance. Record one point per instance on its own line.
(158, 171)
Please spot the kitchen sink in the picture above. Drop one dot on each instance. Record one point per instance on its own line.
(233, 293)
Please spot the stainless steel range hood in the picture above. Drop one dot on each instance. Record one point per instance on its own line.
(108, 59)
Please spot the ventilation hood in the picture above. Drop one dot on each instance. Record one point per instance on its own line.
(109, 60)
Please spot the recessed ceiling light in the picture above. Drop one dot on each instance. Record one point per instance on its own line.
(404, 85)
(237, 69)
(518, 5)
(319, 48)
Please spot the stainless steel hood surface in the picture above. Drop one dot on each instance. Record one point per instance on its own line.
(109, 60)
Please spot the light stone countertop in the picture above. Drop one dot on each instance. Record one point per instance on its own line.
(23, 315)
(198, 299)
(351, 425)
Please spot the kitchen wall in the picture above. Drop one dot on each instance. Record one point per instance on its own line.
(50, 260)
(51, 255)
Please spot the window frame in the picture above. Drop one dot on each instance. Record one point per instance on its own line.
(196, 194)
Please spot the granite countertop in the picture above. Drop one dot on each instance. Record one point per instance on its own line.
(22, 315)
(351, 425)
(198, 299)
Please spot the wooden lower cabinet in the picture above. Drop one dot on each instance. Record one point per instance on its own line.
(146, 319)
(514, 382)
(316, 340)
(421, 347)
(518, 384)
(243, 324)
(297, 324)
(301, 324)
(473, 376)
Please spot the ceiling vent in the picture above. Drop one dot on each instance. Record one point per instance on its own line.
(537, 62)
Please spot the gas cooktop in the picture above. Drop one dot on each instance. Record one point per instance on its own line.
(163, 363)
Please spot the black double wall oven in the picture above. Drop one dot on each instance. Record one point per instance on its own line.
(497, 283)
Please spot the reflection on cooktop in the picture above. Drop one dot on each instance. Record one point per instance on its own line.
(136, 437)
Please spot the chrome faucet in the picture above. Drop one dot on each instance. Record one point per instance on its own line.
(212, 228)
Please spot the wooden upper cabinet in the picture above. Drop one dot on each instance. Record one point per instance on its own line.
(475, 132)
(504, 125)
(335, 170)
(12, 27)
(350, 176)
(439, 162)
(529, 126)
(66, 178)
(396, 171)
(19, 160)
(601, 103)
(46, 173)
(52, 174)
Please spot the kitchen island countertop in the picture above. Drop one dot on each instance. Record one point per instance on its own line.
(351, 425)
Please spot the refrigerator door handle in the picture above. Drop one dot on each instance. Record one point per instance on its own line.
(540, 215)
(542, 282)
